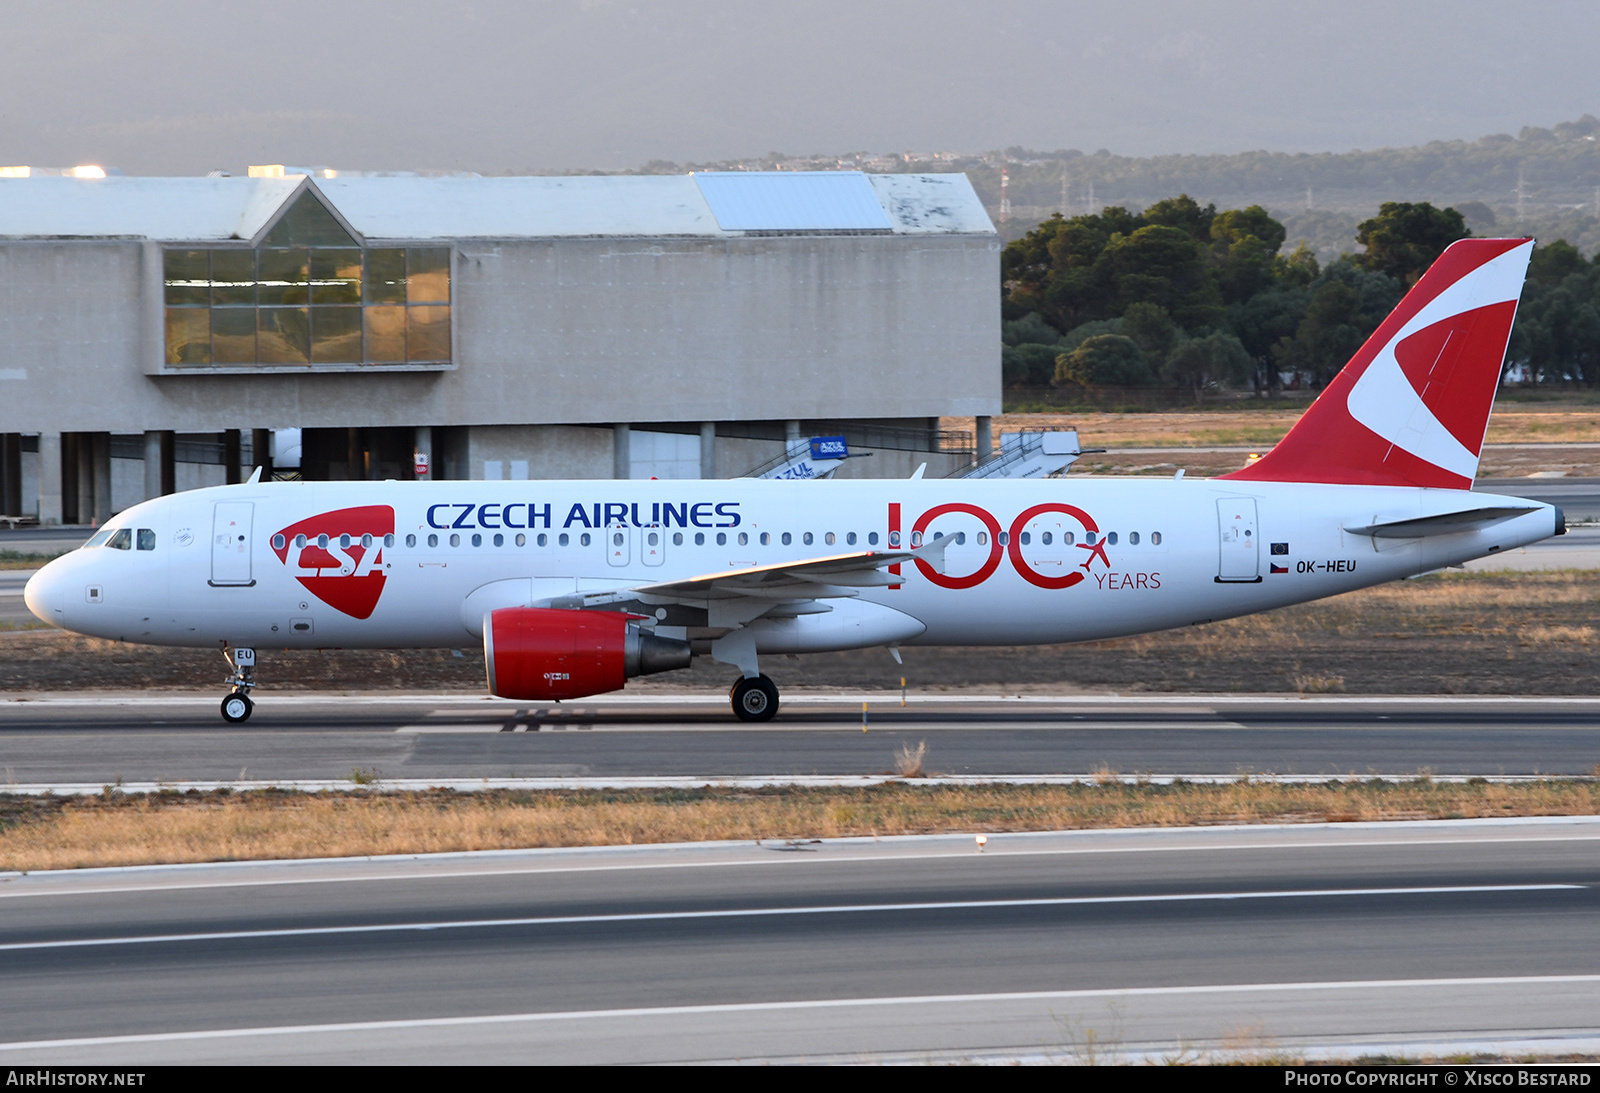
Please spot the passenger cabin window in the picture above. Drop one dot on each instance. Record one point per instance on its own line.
(411, 540)
(1155, 538)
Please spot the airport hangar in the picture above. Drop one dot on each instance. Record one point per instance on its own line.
(155, 332)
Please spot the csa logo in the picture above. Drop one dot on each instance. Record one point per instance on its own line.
(338, 556)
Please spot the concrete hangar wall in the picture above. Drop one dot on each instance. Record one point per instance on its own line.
(585, 327)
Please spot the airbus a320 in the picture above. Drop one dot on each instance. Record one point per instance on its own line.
(575, 587)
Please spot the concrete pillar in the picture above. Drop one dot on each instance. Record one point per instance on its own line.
(100, 445)
(169, 462)
(11, 502)
(984, 427)
(83, 446)
(423, 445)
(49, 478)
(231, 456)
(354, 461)
(791, 434)
(708, 449)
(152, 464)
(621, 452)
(261, 451)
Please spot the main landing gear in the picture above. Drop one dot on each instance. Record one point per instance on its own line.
(754, 699)
(237, 706)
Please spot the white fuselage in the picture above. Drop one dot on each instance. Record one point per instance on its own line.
(228, 565)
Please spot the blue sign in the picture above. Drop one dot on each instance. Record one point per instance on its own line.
(829, 447)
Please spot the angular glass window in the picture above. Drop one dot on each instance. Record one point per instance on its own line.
(284, 276)
(233, 335)
(188, 276)
(336, 335)
(122, 540)
(386, 334)
(285, 335)
(385, 280)
(336, 276)
(233, 277)
(427, 275)
(308, 223)
(189, 335)
(427, 333)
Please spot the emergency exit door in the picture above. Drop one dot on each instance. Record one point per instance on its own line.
(1240, 554)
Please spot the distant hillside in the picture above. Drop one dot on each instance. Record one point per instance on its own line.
(1544, 182)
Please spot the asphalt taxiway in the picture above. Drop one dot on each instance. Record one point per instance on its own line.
(1081, 944)
(298, 737)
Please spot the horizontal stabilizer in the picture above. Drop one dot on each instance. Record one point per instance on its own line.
(1444, 524)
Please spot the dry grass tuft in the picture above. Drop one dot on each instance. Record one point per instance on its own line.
(1318, 684)
(908, 763)
(1553, 635)
(54, 833)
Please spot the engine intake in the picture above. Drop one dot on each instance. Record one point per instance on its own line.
(550, 653)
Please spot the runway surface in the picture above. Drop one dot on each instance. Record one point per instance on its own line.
(64, 739)
(1082, 943)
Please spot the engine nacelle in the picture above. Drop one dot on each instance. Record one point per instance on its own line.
(548, 653)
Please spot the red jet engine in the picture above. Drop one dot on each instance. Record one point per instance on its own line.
(543, 653)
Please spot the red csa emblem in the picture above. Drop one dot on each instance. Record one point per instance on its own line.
(338, 556)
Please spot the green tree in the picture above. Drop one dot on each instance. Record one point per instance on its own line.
(1151, 329)
(1107, 360)
(1215, 360)
(1346, 305)
(1405, 238)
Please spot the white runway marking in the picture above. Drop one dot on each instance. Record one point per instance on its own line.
(813, 1004)
(772, 912)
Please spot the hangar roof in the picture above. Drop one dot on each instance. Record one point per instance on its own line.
(415, 208)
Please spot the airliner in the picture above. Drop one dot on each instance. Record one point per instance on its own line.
(575, 587)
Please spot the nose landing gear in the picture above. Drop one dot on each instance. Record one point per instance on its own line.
(237, 707)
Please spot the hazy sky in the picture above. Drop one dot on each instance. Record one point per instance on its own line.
(180, 87)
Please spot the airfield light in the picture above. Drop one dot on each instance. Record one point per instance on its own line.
(15, 172)
(88, 170)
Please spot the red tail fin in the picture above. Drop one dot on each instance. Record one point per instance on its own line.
(1411, 407)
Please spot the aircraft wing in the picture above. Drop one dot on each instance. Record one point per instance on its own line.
(732, 597)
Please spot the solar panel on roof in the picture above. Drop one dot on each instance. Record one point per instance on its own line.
(792, 201)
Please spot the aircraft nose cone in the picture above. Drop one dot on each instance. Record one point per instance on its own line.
(43, 595)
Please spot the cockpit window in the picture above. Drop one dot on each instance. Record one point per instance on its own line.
(147, 539)
(121, 539)
(99, 538)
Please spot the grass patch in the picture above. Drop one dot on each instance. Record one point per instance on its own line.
(117, 829)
